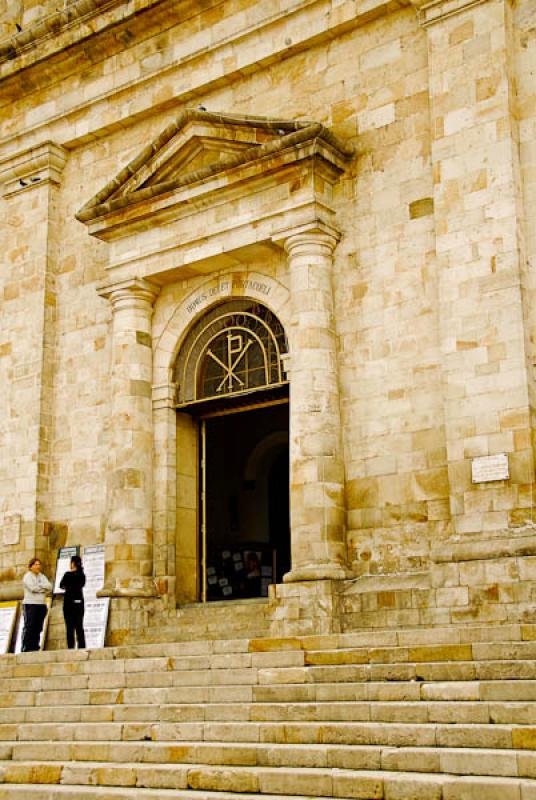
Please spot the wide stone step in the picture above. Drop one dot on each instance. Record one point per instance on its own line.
(367, 786)
(143, 676)
(396, 691)
(395, 734)
(281, 780)
(241, 654)
(316, 782)
(462, 761)
(406, 711)
(492, 691)
(23, 677)
(409, 638)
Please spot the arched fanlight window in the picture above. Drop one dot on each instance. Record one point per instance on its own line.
(235, 348)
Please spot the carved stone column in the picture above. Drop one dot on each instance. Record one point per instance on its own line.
(129, 534)
(317, 508)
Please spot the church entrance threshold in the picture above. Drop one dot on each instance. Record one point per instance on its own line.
(244, 502)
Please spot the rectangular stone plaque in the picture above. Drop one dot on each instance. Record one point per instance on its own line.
(490, 468)
(11, 529)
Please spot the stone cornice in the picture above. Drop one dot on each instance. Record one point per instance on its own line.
(432, 12)
(55, 24)
(32, 167)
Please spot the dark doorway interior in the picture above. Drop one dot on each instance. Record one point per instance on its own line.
(247, 531)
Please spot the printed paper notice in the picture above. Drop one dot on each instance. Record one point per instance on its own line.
(63, 565)
(8, 615)
(95, 621)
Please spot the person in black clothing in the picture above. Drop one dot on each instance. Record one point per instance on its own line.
(73, 603)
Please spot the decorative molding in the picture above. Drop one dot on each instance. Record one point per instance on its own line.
(164, 396)
(53, 25)
(129, 291)
(431, 12)
(512, 545)
(316, 234)
(132, 185)
(31, 168)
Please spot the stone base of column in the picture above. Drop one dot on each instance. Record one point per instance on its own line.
(133, 587)
(131, 615)
(306, 608)
(327, 571)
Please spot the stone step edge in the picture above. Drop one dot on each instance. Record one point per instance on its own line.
(284, 704)
(527, 732)
(306, 669)
(312, 660)
(230, 748)
(456, 761)
(501, 690)
(378, 781)
(325, 687)
(278, 712)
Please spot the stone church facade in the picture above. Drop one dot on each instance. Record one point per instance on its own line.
(266, 262)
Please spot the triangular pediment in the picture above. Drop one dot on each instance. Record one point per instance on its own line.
(198, 145)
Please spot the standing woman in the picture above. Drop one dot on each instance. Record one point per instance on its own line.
(36, 587)
(73, 603)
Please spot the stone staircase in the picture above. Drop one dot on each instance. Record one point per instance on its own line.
(443, 714)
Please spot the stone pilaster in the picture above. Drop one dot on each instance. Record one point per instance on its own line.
(317, 508)
(485, 296)
(29, 242)
(165, 487)
(129, 526)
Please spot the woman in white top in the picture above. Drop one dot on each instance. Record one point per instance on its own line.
(36, 587)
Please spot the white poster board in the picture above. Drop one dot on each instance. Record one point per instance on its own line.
(8, 616)
(96, 608)
(63, 565)
(95, 621)
(93, 561)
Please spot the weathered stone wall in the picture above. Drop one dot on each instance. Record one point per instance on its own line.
(524, 59)
(432, 277)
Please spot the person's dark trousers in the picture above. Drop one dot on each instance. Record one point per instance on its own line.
(73, 614)
(34, 616)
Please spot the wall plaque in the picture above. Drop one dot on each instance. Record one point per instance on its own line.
(490, 468)
(11, 529)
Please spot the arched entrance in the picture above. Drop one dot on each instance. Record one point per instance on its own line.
(233, 398)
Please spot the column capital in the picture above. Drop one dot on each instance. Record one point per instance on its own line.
(130, 293)
(309, 238)
(31, 168)
(432, 11)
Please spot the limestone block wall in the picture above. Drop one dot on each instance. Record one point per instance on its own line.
(29, 242)
(397, 487)
(437, 215)
(524, 55)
